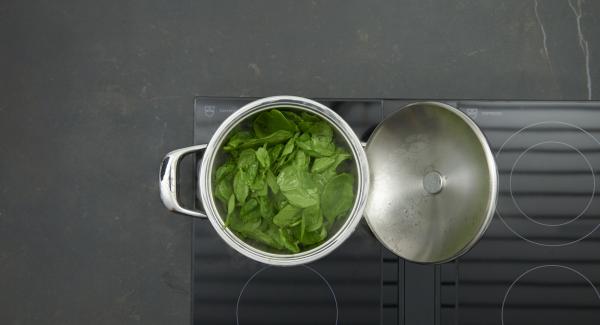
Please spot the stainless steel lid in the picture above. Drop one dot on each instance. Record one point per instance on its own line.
(433, 183)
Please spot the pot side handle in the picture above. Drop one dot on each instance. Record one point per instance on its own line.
(168, 180)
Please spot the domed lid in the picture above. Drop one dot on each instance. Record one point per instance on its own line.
(433, 183)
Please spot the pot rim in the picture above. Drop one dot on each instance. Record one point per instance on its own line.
(206, 191)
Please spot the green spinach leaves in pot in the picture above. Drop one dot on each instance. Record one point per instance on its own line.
(282, 183)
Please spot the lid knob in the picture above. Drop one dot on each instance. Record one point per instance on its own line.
(433, 182)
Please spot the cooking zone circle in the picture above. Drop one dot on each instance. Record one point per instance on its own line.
(584, 161)
(547, 294)
(536, 182)
(269, 297)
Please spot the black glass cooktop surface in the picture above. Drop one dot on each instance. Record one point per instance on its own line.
(538, 262)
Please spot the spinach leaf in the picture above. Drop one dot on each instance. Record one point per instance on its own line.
(340, 156)
(314, 237)
(243, 226)
(322, 163)
(321, 131)
(273, 138)
(289, 147)
(309, 117)
(279, 200)
(307, 120)
(247, 220)
(224, 190)
(226, 170)
(301, 161)
(266, 207)
(297, 186)
(275, 151)
(263, 157)
(300, 198)
(236, 140)
(315, 146)
(230, 208)
(248, 163)
(287, 154)
(269, 122)
(248, 208)
(240, 186)
(287, 217)
(272, 182)
(288, 241)
(289, 178)
(259, 186)
(312, 217)
(337, 196)
(267, 238)
(291, 116)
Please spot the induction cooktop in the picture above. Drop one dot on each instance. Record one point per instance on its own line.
(538, 262)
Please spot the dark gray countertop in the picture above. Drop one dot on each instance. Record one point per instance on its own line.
(94, 93)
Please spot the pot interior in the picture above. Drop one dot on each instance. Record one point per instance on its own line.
(245, 123)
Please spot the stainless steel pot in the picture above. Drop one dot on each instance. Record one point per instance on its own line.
(213, 156)
(434, 182)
